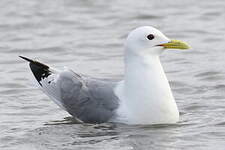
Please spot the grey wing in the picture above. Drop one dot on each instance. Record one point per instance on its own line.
(89, 100)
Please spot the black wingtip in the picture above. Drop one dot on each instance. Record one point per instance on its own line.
(34, 62)
(27, 59)
(39, 70)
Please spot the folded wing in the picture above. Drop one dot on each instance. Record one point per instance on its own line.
(89, 100)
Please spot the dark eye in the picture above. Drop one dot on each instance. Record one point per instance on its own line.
(150, 37)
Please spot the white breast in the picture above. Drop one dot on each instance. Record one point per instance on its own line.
(145, 94)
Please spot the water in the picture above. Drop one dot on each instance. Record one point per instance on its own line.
(88, 37)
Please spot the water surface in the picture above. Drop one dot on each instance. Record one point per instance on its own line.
(87, 36)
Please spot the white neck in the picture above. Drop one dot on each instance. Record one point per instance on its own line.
(145, 94)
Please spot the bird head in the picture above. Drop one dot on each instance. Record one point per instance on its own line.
(148, 40)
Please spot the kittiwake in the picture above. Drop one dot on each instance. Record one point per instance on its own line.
(142, 97)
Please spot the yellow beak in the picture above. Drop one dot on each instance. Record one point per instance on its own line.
(175, 44)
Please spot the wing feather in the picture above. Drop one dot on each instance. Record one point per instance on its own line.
(87, 99)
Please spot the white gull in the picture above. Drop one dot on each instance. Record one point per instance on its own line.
(143, 97)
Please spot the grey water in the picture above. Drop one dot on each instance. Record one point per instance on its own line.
(87, 36)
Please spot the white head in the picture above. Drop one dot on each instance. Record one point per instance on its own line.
(147, 40)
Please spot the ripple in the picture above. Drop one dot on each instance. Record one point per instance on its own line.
(89, 36)
(208, 73)
(210, 76)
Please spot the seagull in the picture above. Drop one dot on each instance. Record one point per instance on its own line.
(142, 97)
